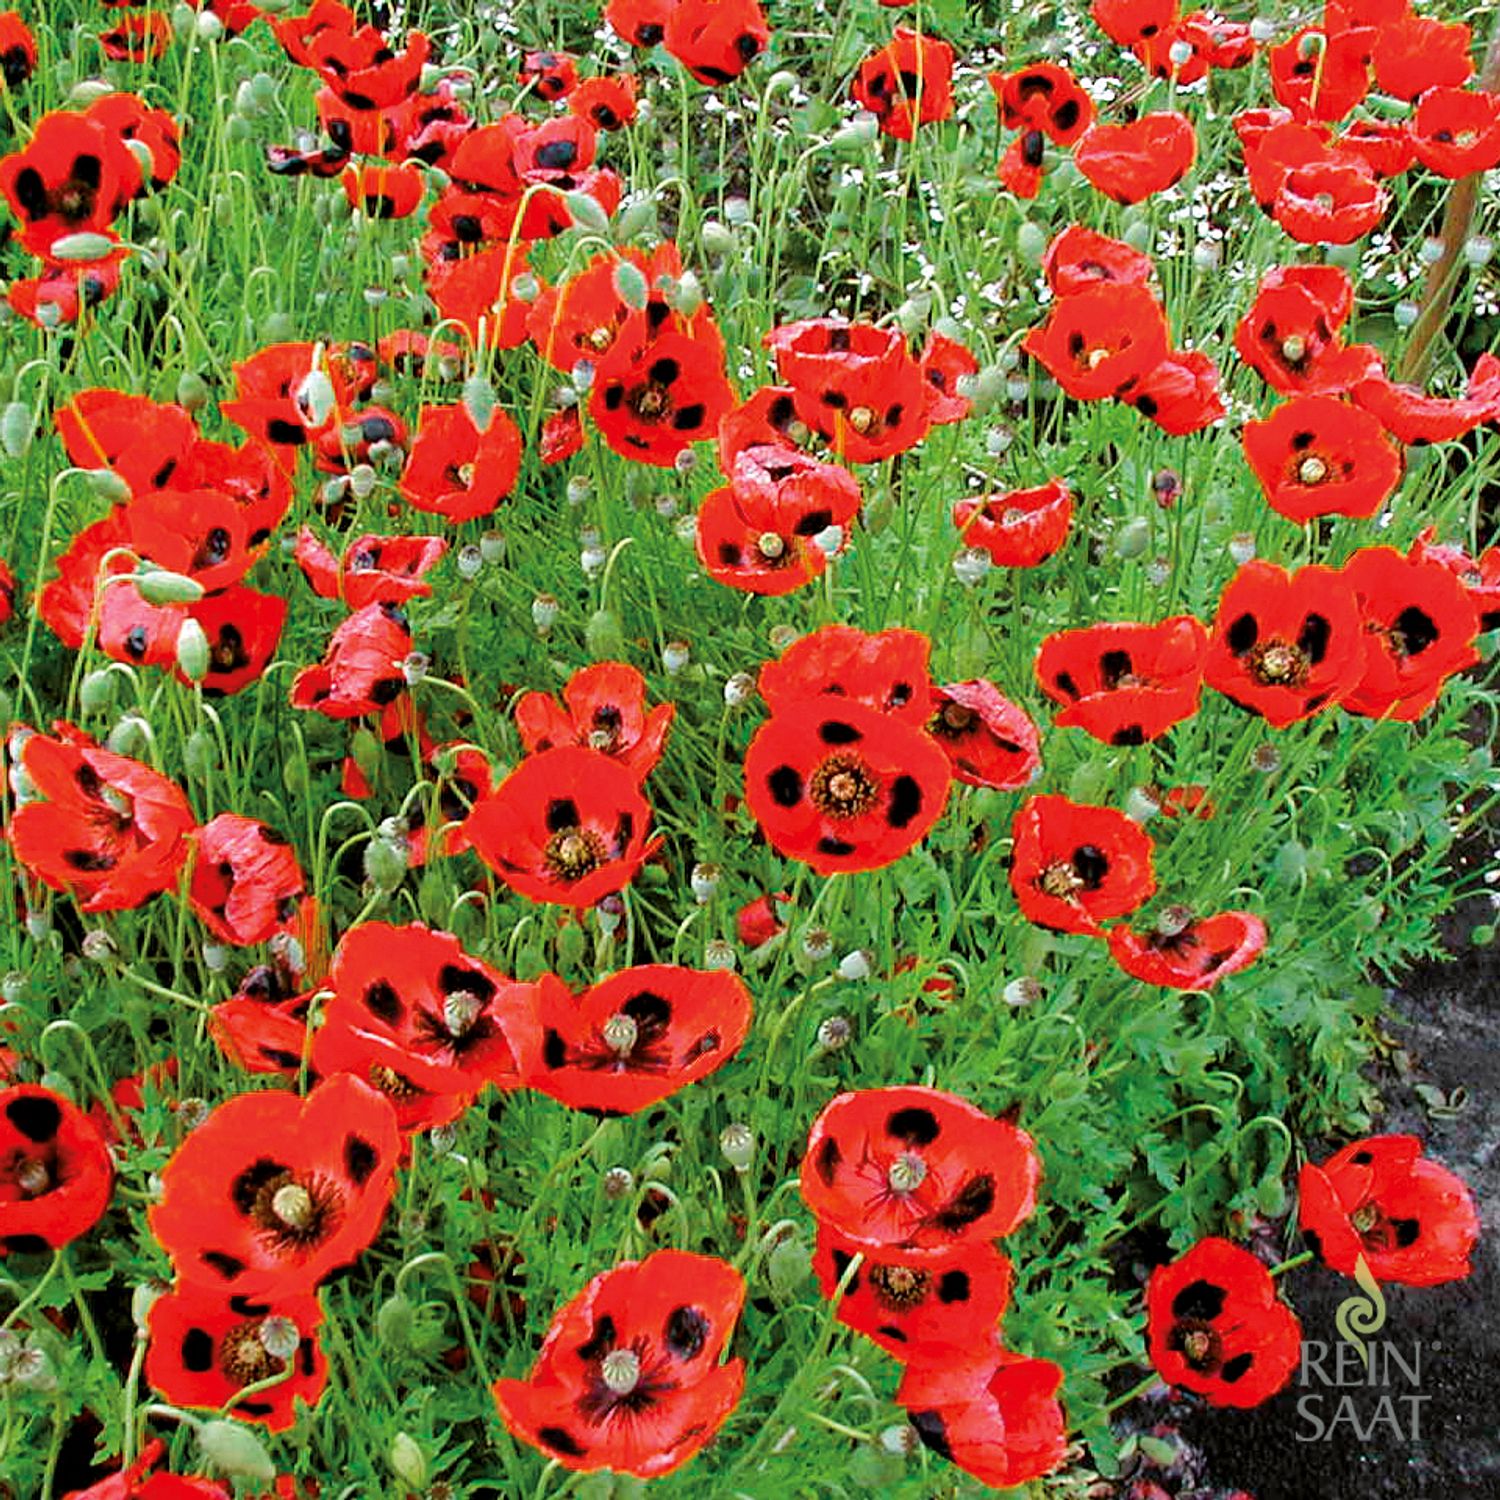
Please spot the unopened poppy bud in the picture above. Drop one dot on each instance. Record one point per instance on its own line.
(609, 913)
(108, 485)
(316, 398)
(13, 987)
(1133, 537)
(717, 239)
(972, 566)
(96, 693)
(854, 137)
(38, 925)
(492, 546)
(834, 1033)
(705, 881)
(738, 1145)
(1270, 1197)
(717, 954)
(192, 651)
(157, 586)
(395, 1322)
(385, 864)
(233, 1449)
(84, 246)
(817, 944)
(129, 736)
(407, 1462)
(215, 957)
(630, 284)
(479, 401)
(99, 947)
(636, 215)
(675, 655)
(17, 424)
(859, 964)
(142, 1299)
(208, 26)
(605, 636)
(544, 610)
(1141, 803)
(1023, 991)
(738, 688)
(1241, 548)
(688, 296)
(618, 1181)
(586, 213)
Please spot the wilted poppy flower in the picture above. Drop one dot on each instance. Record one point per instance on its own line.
(606, 103)
(629, 1377)
(460, 1023)
(206, 1346)
(716, 42)
(273, 1192)
(1131, 162)
(243, 629)
(1329, 202)
(916, 1175)
(1046, 97)
(1096, 341)
(1020, 528)
(665, 396)
(262, 1027)
(72, 177)
(56, 1174)
(1078, 258)
(1319, 456)
(1285, 645)
(637, 1037)
(912, 1312)
(139, 1483)
(909, 82)
(1181, 394)
(456, 471)
(842, 786)
(1413, 417)
(1216, 1326)
(1456, 132)
(1420, 625)
(1320, 73)
(105, 828)
(17, 50)
(373, 570)
(997, 1418)
(989, 741)
(886, 670)
(361, 672)
(1411, 1220)
(1075, 866)
(760, 920)
(1125, 684)
(246, 880)
(568, 825)
(1480, 577)
(761, 532)
(605, 711)
(1194, 955)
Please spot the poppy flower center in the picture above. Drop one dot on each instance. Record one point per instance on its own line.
(771, 546)
(461, 1010)
(600, 339)
(955, 720)
(1365, 1218)
(621, 1371)
(907, 1173)
(1200, 1348)
(651, 402)
(75, 200)
(391, 1083)
(1061, 880)
(243, 1356)
(572, 853)
(33, 1178)
(842, 788)
(1279, 664)
(293, 1205)
(294, 1211)
(119, 804)
(862, 418)
(1294, 349)
(900, 1286)
(621, 1033)
(1312, 470)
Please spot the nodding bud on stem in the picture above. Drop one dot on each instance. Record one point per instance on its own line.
(157, 586)
(192, 651)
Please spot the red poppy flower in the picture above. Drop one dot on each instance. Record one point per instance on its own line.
(1130, 21)
(137, 38)
(72, 177)
(147, 443)
(200, 533)
(1075, 866)
(1096, 341)
(1290, 335)
(637, 1037)
(389, 1067)
(1181, 394)
(855, 384)
(243, 630)
(1417, 53)
(606, 711)
(361, 672)
(908, 82)
(1420, 624)
(1045, 97)
(642, 23)
(456, 471)
(56, 1174)
(717, 42)
(568, 825)
(483, 286)
(7, 592)
(842, 786)
(382, 190)
(1413, 417)
(206, 1346)
(606, 103)
(768, 419)
(128, 117)
(988, 740)
(430, 127)
(628, 1377)
(1380, 1200)
(917, 1176)
(665, 396)
(911, 1312)
(67, 602)
(297, 33)
(246, 880)
(62, 292)
(1021, 167)
(1456, 132)
(262, 1028)
(282, 397)
(1319, 456)
(944, 363)
(1329, 202)
(1285, 645)
(1131, 162)
(1216, 1326)
(463, 776)
(886, 671)
(17, 50)
(272, 1192)
(1078, 258)
(459, 1023)
(1211, 43)
(586, 316)
(364, 69)
(251, 476)
(997, 1418)
(138, 1483)
(1385, 146)
(1192, 957)
(1186, 801)
(551, 75)
(1020, 528)
(758, 921)
(1320, 74)
(759, 533)
(1125, 684)
(373, 570)
(105, 828)
(1273, 144)
(1480, 577)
